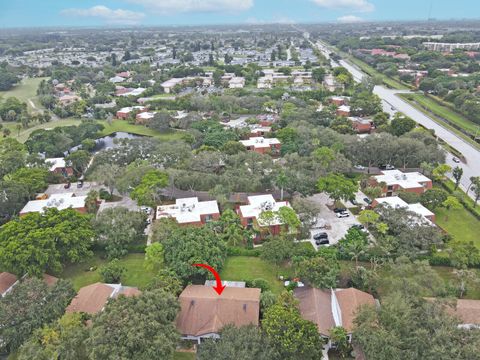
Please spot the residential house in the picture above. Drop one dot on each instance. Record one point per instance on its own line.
(329, 308)
(190, 211)
(250, 214)
(7, 282)
(59, 201)
(343, 110)
(236, 82)
(91, 299)
(267, 119)
(144, 117)
(125, 112)
(395, 202)
(259, 131)
(394, 181)
(465, 310)
(263, 145)
(338, 100)
(117, 79)
(203, 313)
(58, 166)
(66, 100)
(362, 126)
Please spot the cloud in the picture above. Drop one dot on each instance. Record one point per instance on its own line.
(352, 5)
(349, 19)
(183, 6)
(275, 20)
(118, 16)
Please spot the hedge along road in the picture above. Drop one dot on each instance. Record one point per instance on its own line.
(390, 99)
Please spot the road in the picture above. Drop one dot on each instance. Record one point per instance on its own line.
(393, 103)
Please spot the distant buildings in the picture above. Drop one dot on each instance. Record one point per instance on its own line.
(190, 211)
(203, 313)
(395, 181)
(125, 112)
(263, 145)
(58, 201)
(449, 47)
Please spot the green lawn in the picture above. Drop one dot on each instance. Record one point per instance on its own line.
(136, 274)
(26, 90)
(183, 356)
(25, 133)
(241, 268)
(460, 224)
(125, 126)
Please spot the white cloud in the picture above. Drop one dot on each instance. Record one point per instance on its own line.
(183, 6)
(118, 16)
(352, 5)
(349, 19)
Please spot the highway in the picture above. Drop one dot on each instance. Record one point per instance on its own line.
(393, 103)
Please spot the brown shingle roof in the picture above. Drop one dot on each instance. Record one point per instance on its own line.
(6, 281)
(468, 311)
(91, 299)
(203, 311)
(350, 300)
(316, 306)
(49, 279)
(130, 291)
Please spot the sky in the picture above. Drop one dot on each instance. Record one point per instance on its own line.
(53, 13)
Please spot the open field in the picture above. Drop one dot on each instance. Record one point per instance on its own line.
(125, 126)
(460, 224)
(241, 268)
(26, 90)
(23, 135)
(136, 274)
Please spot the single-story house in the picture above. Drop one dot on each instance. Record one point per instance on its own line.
(59, 201)
(395, 180)
(190, 211)
(263, 145)
(203, 313)
(58, 166)
(396, 202)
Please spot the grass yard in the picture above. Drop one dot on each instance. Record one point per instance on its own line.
(125, 126)
(180, 355)
(25, 91)
(25, 133)
(461, 224)
(241, 268)
(136, 274)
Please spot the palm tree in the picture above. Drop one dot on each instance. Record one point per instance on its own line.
(281, 181)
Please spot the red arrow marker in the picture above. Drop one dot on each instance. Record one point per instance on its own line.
(219, 288)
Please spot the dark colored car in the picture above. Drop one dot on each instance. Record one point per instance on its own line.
(322, 242)
(320, 236)
(354, 202)
(339, 210)
(368, 201)
(357, 226)
(67, 185)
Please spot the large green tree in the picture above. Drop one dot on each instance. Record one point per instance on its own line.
(139, 327)
(147, 192)
(337, 187)
(39, 242)
(319, 272)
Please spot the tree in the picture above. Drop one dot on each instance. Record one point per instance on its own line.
(292, 336)
(232, 345)
(433, 198)
(319, 272)
(39, 242)
(13, 198)
(117, 228)
(147, 192)
(353, 244)
(289, 219)
(463, 254)
(64, 339)
(318, 74)
(230, 229)
(281, 181)
(439, 173)
(337, 187)
(167, 281)
(451, 203)
(189, 245)
(7, 80)
(91, 202)
(154, 257)
(79, 160)
(339, 337)
(278, 250)
(401, 124)
(476, 191)
(30, 305)
(161, 121)
(120, 331)
(34, 179)
(368, 217)
(457, 175)
(113, 272)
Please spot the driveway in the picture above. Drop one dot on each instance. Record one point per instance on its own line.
(337, 227)
(83, 191)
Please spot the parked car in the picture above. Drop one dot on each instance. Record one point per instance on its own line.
(368, 201)
(357, 226)
(359, 167)
(455, 159)
(387, 167)
(319, 236)
(339, 210)
(322, 242)
(80, 184)
(343, 215)
(67, 185)
(354, 202)
(147, 210)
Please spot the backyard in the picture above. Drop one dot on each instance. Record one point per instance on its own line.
(136, 274)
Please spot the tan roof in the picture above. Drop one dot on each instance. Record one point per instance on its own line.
(6, 281)
(49, 279)
(350, 300)
(316, 306)
(468, 311)
(92, 299)
(203, 311)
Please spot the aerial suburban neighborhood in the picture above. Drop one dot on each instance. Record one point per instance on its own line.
(210, 180)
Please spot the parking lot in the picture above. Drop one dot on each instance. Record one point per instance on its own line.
(336, 228)
(82, 191)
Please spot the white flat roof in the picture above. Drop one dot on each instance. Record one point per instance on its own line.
(396, 202)
(130, 108)
(260, 142)
(55, 163)
(404, 180)
(188, 210)
(58, 201)
(260, 203)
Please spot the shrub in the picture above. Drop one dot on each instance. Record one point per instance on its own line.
(113, 272)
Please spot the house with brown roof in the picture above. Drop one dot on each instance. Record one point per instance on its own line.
(92, 299)
(7, 282)
(203, 313)
(465, 310)
(331, 308)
